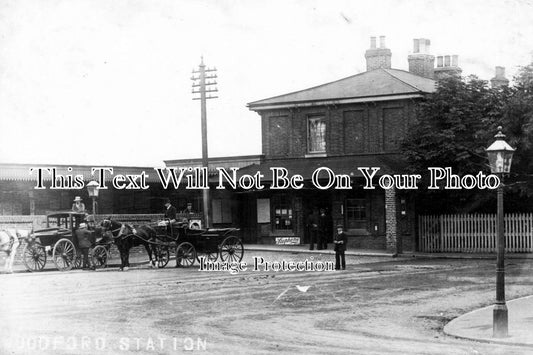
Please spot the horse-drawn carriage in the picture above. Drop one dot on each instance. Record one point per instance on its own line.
(192, 244)
(59, 241)
(163, 238)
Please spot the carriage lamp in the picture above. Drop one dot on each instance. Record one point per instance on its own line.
(93, 189)
(500, 156)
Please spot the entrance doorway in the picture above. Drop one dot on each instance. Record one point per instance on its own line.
(314, 202)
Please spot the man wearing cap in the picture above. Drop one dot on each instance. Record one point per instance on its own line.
(170, 211)
(340, 241)
(78, 206)
(85, 241)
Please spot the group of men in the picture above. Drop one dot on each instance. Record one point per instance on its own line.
(318, 229)
(170, 211)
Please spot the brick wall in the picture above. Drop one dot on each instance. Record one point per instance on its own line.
(350, 129)
(422, 64)
(378, 58)
(371, 242)
(391, 220)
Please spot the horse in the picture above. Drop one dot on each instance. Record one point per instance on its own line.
(9, 242)
(126, 237)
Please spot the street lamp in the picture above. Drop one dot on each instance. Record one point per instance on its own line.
(500, 157)
(93, 189)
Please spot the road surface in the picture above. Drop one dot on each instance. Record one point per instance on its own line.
(378, 305)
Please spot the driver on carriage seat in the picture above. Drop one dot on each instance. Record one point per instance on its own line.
(170, 212)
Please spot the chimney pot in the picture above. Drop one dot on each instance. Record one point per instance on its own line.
(455, 60)
(424, 45)
(447, 65)
(381, 41)
(372, 42)
(416, 45)
(428, 43)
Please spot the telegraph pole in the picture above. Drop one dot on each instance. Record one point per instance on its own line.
(204, 81)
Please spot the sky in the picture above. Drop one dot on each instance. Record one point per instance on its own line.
(97, 82)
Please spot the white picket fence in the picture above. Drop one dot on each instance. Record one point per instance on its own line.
(474, 233)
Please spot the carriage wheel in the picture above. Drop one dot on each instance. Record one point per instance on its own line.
(100, 256)
(78, 261)
(185, 255)
(231, 249)
(64, 255)
(162, 256)
(34, 257)
(212, 257)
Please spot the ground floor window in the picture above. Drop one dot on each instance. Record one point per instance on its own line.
(356, 213)
(282, 213)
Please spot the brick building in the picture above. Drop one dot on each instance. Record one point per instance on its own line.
(353, 122)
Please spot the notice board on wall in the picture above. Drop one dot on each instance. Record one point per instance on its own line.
(263, 210)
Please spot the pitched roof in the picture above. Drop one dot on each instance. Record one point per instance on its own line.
(374, 85)
(22, 172)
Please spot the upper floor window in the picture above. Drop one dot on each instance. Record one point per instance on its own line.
(316, 134)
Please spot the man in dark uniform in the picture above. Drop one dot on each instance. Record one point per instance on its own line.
(85, 241)
(322, 242)
(312, 225)
(340, 241)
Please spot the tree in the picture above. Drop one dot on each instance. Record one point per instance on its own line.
(455, 125)
(518, 123)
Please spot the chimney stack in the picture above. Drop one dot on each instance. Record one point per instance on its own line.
(378, 57)
(421, 62)
(447, 65)
(499, 79)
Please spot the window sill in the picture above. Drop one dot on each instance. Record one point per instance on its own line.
(358, 232)
(315, 155)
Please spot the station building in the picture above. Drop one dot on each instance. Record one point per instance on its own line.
(343, 125)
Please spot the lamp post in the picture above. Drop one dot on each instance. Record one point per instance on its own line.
(93, 189)
(500, 156)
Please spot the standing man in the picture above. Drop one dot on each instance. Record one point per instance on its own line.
(312, 226)
(78, 206)
(340, 241)
(322, 230)
(85, 241)
(170, 211)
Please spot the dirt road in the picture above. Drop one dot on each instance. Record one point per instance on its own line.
(376, 306)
